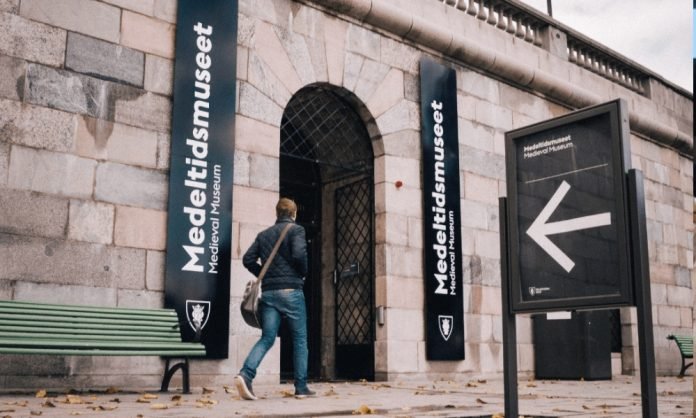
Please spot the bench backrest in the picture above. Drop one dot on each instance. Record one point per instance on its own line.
(685, 344)
(35, 321)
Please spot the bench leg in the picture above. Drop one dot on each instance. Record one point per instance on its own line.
(684, 367)
(169, 373)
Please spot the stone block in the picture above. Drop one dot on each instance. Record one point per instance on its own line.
(242, 161)
(242, 63)
(405, 144)
(335, 39)
(163, 150)
(493, 115)
(271, 50)
(145, 7)
(50, 172)
(392, 169)
(658, 293)
(104, 60)
(149, 111)
(36, 127)
(415, 233)
(155, 270)
(30, 213)
(91, 222)
(6, 289)
(404, 261)
(10, 6)
(257, 137)
(165, 10)
(400, 55)
(476, 84)
(351, 70)
(264, 172)
(31, 41)
(474, 135)
(669, 315)
(147, 34)
(159, 75)
(4, 162)
(140, 299)
(481, 162)
(12, 82)
(147, 188)
(686, 317)
(391, 228)
(317, 53)
(385, 93)
(363, 41)
(372, 74)
(411, 87)
(261, 77)
(89, 17)
(253, 206)
(679, 296)
(401, 356)
(64, 294)
(480, 189)
(474, 214)
(490, 300)
(31, 366)
(256, 105)
(140, 228)
(103, 140)
(405, 115)
(398, 201)
(296, 47)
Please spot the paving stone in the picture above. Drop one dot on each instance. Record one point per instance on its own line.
(147, 188)
(104, 60)
(159, 75)
(27, 213)
(89, 17)
(51, 172)
(91, 222)
(31, 41)
(10, 6)
(36, 127)
(147, 34)
(12, 82)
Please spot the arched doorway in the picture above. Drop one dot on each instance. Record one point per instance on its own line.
(326, 165)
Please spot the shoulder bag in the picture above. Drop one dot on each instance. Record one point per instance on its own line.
(252, 292)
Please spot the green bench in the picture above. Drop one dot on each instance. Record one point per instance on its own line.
(686, 349)
(66, 330)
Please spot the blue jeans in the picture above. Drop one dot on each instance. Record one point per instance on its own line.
(288, 303)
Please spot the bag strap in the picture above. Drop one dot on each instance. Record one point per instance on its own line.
(267, 264)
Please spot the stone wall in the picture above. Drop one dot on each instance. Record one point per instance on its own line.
(84, 156)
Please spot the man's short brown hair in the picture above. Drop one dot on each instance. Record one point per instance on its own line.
(286, 208)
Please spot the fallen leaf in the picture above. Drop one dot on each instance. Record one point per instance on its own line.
(498, 415)
(176, 398)
(481, 401)
(107, 407)
(48, 404)
(150, 396)
(159, 406)
(330, 392)
(73, 400)
(117, 400)
(229, 389)
(207, 391)
(41, 393)
(207, 401)
(364, 410)
(482, 381)
(36, 413)
(142, 400)
(586, 407)
(287, 393)
(449, 407)
(111, 390)
(75, 413)
(471, 385)
(531, 385)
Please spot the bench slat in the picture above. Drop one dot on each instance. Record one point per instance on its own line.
(84, 314)
(79, 308)
(84, 320)
(115, 345)
(72, 352)
(100, 326)
(76, 331)
(90, 337)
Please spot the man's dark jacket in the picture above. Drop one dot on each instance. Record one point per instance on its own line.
(289, 267)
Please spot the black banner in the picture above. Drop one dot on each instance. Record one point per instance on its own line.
(568, 213)
(199, 228)
(444, 296)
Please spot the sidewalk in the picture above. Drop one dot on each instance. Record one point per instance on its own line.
(476, 398)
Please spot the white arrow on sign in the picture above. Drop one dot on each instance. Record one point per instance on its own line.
(539, 229)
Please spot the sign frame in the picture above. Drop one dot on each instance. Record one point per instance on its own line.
(621, 161)
(201, 170)
(442, 256)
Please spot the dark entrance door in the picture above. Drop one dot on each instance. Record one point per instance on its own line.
(354, 284)
(326, 165)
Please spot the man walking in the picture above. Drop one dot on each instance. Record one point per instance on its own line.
(281, 296)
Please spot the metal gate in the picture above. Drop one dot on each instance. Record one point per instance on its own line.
(354, 285)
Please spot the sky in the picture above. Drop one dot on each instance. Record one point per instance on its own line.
(653, 33)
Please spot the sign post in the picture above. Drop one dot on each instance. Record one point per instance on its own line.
(444, 300)
(573, 233)
(199, 225)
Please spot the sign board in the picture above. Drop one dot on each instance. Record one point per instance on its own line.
(568, 216)
(444, 300)
(199, 227)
